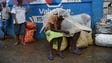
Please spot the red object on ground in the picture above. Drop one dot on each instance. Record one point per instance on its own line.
(29, 32)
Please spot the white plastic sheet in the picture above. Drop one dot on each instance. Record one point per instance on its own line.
(70, 23)
(75, 25)
(58, 11)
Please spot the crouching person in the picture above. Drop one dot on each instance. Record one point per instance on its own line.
(75, 25)
(54, 32)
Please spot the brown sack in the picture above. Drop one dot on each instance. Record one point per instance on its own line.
(29, 32)
(89, 38)
(30, 25)
(29, 36)
(82, 41)
(85, 39)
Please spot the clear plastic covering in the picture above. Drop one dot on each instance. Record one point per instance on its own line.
(72, 24)
(58, 11)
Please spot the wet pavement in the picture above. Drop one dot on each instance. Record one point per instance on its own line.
(37, 53)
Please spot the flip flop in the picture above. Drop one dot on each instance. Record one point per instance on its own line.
(60, 54)
(77, 52)
(50, 57)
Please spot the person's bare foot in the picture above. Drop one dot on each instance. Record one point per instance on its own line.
(23, 43)
(16, 43)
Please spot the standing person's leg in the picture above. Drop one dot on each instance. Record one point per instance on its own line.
(16, 30)
(22, 33)
(59, 47)
(17, 40)
(5, 25)
(1, 24)
(75, 39)
(1, 29)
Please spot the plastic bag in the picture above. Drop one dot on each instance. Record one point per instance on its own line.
(30, 25)
(103, 40)
(29, 36)
(29, 32)
(72, 25)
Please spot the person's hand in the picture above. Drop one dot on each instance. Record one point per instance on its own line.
(66, 32)
(16, 22)
(28, 10)
(87, 31)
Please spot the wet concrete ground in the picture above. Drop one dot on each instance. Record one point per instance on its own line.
(37, 53)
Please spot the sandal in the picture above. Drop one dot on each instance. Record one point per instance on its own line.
(50, 57)
(60, 54)
(77, 52)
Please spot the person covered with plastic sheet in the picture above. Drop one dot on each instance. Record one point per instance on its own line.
(19, 13)
(54, 32)
(5, 15)
(75, 25)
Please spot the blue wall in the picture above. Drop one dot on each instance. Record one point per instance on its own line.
(92, 7)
